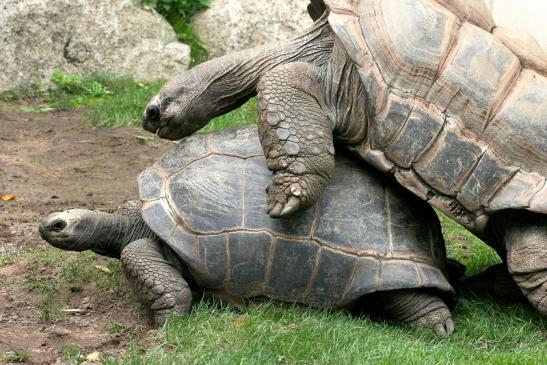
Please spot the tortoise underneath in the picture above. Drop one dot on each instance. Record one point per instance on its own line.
(203, 227)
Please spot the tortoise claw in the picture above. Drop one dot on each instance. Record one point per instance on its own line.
(444, 330)
(293, 205)
(275, 212)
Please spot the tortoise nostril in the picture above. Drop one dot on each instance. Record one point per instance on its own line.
(152, 112)
(57, 226)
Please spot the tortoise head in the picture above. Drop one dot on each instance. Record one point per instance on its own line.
(189, 101)
(69, 230)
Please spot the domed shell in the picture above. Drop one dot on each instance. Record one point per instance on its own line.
(457, 105)
(206, 199)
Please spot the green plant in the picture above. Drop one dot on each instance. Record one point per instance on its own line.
(179, 13)
(72, 353)
(16, 355)
(78, 85)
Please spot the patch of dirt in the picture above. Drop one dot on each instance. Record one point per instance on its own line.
(50, 162)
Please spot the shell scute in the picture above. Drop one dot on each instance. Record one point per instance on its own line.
(365, 277)
(519, 131)
(487, 178)
(477, 74)
(333, 275)
(207, 194)
(193, 148)
(446, 165)
(407, 39)
(518, 192)
(150, 183)
(255, 214)
(359, 223)
(415, 136)
(159, 217)
(387, 124)
(473, 11)
(213, 261)
(399, 274)
(249, 255)
(292, 266)
(237, 142)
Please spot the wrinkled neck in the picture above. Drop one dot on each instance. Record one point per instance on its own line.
(234, 77)
(112, 232)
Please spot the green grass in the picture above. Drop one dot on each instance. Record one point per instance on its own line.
(109, 101)
(269, 334)
(466, 248)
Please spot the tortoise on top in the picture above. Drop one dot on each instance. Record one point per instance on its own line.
(429, 91)
(204, 225)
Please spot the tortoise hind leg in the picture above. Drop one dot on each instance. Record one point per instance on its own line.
(156, 280)
(296, 135)
(495, 283)
(417, 308)
(523, 234)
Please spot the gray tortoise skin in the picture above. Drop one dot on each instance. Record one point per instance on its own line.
(430, 92)
(204, 227)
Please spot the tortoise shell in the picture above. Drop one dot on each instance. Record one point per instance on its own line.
(205, 198)
(458, 107)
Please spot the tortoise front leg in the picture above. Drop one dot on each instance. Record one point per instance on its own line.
(296, 135)
(155, 280)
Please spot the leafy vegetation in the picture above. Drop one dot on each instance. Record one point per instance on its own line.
(15, 356)
(179, 13)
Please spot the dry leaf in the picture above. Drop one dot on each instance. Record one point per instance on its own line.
(103, 269)
(238, 323)
(94, 356)
(7, 197)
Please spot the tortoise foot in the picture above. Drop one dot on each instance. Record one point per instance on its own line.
(290, 193)
(155, 280)
(534, 288)
(296, 136)
(419, 308)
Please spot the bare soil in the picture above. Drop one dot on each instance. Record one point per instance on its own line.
(53, 161)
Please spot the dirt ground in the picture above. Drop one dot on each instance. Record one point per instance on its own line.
(53, 161)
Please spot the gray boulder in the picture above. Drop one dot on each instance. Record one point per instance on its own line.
(233, 25)
(83, 37)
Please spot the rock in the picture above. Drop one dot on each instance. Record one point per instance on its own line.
(84, 37)
(233, 25)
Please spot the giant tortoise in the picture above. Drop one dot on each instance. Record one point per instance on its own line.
(368, 244)
(428, 91)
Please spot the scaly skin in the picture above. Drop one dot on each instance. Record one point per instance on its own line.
(156, 280)
(418, 308)
(296, 136)
(523, 234)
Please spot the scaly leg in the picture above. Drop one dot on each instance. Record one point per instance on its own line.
(524, 236)
(155, 280)
(495, 282)
(296, 136)
(417, 308)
